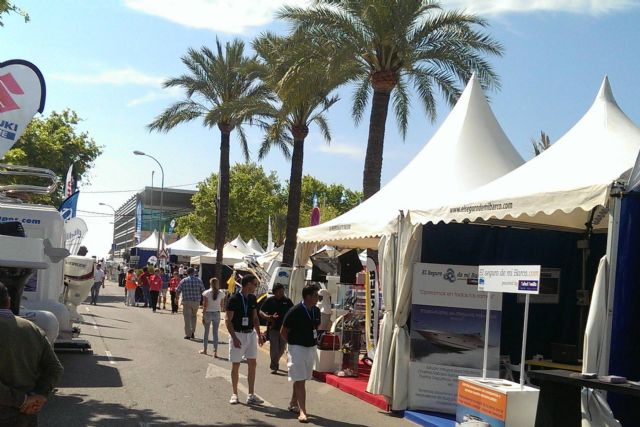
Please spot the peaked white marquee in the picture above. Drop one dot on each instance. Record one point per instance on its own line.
(560, 187)
(469, 150)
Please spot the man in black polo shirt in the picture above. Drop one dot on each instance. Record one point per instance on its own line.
(273, 310)
(300, 330)
(244, 328)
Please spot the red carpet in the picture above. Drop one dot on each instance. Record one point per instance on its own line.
(356, 386)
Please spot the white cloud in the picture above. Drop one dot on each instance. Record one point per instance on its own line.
(354, 151)
(494, 7)
(228, 16)
(122, 77)
(156, 95)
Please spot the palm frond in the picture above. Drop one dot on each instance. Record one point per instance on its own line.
(401, 106)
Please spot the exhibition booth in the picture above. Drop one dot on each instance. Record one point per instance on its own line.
(561, 210)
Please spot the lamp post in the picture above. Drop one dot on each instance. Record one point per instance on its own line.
(113, 244)
(140, 153)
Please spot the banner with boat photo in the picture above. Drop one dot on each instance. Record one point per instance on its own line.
(447, 333)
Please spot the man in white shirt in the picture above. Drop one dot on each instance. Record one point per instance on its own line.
(98, 280)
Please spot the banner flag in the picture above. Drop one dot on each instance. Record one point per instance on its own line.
(22, 95)
(69, 182)
(68, 208)
(315, 211)
(270, 244)
(138, 234)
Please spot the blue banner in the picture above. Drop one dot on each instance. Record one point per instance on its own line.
(138, 221)
(69, 207)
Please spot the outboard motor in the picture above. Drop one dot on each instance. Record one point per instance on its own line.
(78, 279)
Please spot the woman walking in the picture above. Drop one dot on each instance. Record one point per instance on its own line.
(211, 314)
(173, 284)
(130, 287)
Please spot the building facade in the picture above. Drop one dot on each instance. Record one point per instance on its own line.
(136, 219)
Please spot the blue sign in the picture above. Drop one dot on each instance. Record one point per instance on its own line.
(69, 207)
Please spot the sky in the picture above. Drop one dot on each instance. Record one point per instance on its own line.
(107, 60)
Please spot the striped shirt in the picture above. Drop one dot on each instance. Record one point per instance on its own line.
(5, 312)
(191, 288)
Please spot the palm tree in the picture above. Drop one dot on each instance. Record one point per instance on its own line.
(218, 88)
(395, 43)
(540, 145)
(302, 74)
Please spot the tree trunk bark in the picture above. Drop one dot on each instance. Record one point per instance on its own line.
(222, 212)
(383, 83)
(295, 194)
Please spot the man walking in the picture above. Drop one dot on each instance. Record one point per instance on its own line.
(30, 368)
(98, 280)
(273, 310)
(244, 328)
(155, 285)
(191, 288)
(300, 330)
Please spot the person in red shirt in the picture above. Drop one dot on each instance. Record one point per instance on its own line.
(173, 284)
(155, 285)
(143, 282)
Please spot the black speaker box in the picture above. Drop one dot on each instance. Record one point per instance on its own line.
(350, 265)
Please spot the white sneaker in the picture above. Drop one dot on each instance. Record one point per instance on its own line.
(234, 399)
(252, 399)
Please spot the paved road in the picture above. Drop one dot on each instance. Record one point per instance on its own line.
(144, 373)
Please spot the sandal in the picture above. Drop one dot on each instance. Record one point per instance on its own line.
(303, 420)
(203, 352)
(293, 408)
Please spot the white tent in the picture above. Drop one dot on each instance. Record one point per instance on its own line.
(188, 246)
(241, 245)
(150, 242)
(255, 246)
(230, 255)
(561, 186)
(468, 150)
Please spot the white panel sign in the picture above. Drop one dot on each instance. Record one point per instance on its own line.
(513, 279)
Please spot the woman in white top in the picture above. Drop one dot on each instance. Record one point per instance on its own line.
(211, 314)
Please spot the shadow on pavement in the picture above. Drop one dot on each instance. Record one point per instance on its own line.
(279, 413)
(85, 370)
(77, 411)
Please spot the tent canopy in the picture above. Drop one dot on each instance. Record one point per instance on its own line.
(230, 256)
(560, 187)
(255, 246)
(469, 150)
(188, 246)
(241, 245)
(150, 242)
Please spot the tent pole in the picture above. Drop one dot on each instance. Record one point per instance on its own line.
(486, 337)
(612, 261)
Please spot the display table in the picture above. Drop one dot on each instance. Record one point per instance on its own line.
(559, 402)
(550, 364)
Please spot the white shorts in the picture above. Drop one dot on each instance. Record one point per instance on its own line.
(249, 348)
(301, 361)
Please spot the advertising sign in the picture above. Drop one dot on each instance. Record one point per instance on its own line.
(138, 235)
(447, 333)
(22, 94)
(513, 279)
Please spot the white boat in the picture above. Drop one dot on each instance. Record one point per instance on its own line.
(453, 341)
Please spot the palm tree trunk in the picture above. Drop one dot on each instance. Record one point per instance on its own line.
(222, 214)
(295, 194)
(375, 144)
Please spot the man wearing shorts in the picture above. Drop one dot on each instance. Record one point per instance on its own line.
(300, 331)
(244, 329)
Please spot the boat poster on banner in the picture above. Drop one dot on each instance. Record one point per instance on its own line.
(447, 333)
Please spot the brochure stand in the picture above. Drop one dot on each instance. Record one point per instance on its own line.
(497, 402)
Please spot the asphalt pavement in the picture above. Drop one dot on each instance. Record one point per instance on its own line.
(144, 373)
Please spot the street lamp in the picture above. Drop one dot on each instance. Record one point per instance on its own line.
(140, 153)
(113, 244)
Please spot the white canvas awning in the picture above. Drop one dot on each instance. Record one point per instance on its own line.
(188, 246)
(469, 150)
(241, 245)
(230, 255)
(150, 242)
(561, 186)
